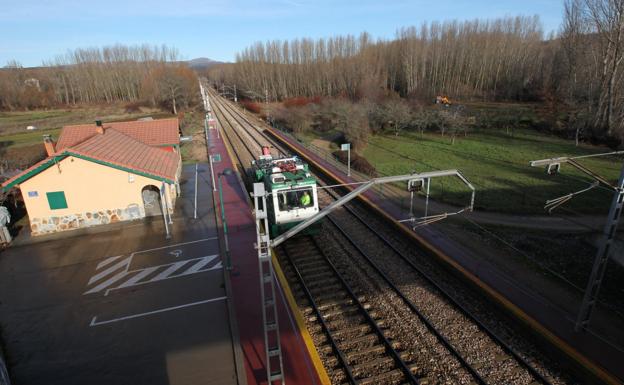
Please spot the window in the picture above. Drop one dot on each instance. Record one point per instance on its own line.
(292, 199)
(57, 200)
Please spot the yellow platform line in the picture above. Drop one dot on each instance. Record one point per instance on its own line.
(585, 362)
(303, 331)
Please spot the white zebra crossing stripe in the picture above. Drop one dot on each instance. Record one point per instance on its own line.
(107, 283)
(107, 261)
(201, 263)
(173, 268)
(138, 277)
(102, 274)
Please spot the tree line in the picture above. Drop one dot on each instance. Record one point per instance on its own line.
(489, 58)
(577, 70)
(118, 73)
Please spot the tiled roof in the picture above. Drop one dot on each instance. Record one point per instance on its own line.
(151, 132)
(115, 149)
(121, 150)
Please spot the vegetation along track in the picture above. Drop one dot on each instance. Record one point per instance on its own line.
(375, 315)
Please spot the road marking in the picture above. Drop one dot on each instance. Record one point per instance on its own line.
(107, 283)
(171, 269)
(176, 253)
(136, 278)
(176, 244)
(201, 263)
(107, 261)
(125, 263)
(94, 321)
(104, 273)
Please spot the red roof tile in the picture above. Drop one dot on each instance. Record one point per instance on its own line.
(121, 150)
(151, 132)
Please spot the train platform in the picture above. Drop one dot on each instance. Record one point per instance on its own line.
(300, 361)
(594, 353)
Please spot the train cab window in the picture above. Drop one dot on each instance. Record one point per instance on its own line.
(289, 200)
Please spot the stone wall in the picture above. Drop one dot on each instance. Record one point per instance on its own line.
(39, 226)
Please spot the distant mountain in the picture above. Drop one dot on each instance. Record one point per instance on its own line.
(202, 63)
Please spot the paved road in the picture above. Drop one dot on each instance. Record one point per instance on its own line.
(122, 306)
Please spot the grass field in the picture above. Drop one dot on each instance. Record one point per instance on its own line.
(498, 166)
(13, 124)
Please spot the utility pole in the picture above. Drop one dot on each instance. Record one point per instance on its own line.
(608, 234)
(602, 257)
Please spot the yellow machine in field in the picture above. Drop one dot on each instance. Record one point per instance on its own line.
(440, 99)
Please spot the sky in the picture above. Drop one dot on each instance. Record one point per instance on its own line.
(32, 31)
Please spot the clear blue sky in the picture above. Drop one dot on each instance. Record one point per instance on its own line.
(35, 30)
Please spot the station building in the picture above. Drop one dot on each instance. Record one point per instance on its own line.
(102, 173)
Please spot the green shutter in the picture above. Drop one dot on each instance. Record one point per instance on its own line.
(57, 200)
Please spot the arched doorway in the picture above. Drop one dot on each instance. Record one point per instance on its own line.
(151, 200)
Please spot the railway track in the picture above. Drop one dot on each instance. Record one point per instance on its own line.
(375, 315)
(361, 350)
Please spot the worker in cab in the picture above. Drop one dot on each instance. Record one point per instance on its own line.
(305, 199)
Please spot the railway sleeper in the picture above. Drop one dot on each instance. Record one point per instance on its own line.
(310, 263)
(338, 295)
(329, 290)
(350, 342)
(353, 357)
(394, 376)
(302, 249)
(364, 328)
(345, 321)
(316, 270)
(321, 277)
(328, 305)
(316, 283)
(341, 311)
(377, 365)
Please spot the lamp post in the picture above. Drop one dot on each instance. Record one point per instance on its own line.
(228, 261)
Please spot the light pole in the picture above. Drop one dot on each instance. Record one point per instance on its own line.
(228, 261)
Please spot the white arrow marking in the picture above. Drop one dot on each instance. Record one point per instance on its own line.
(176, 253)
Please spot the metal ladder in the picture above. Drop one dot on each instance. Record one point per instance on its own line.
(272, 346)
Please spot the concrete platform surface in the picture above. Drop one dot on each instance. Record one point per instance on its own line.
(121, 304)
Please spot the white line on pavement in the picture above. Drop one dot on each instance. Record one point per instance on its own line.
(176, 244)
(107, 261)
(169, 273)
(94, 321)
(104, 273)
(107, 283)
(142, 274)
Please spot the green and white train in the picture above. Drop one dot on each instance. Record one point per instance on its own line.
(292, 190)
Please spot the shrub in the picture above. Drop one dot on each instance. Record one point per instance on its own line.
(133, 107)
(301, 101)
(358, 163)
(251, 106)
